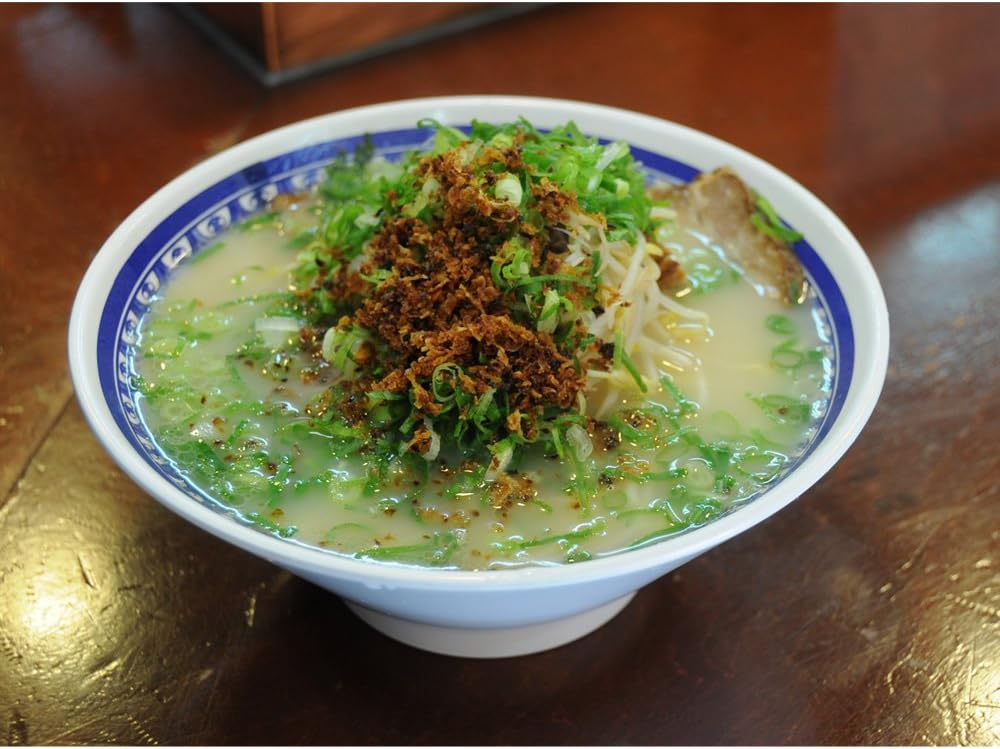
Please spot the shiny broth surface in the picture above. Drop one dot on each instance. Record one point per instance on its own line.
(226, 398)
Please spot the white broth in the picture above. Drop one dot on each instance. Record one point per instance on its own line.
(232, 414)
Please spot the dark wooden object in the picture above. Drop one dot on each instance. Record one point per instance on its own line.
(866, 612)
(280, 42)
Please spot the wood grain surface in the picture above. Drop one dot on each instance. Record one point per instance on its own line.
(287, 35)
(866, 612)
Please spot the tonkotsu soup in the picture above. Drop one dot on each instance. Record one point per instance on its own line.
(506, 350)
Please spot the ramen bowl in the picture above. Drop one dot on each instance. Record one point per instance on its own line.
(491, 613)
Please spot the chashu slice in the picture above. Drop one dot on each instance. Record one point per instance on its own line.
(719, 205)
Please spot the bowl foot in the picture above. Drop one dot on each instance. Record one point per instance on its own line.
(467, 642)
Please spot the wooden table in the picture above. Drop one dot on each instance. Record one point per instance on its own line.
(868, 611)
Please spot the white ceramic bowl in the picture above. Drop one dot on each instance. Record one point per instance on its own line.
(484, 614)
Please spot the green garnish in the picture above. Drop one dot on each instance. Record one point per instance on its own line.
(786, 356)
(584, 531)
(766, 219)
(780, 324)
(422, 416)
(261, 220)
(434, 553)
(783, 410)
(622, 359)
(207, 252)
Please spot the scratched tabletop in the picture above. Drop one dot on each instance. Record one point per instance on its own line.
(868, 611)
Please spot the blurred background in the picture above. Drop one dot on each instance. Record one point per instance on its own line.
(281, 42)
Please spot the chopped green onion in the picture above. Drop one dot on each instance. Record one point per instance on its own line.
(780, 324)
(435, 552)
(632, 370)
(581, 532)
(684, 406)
(766, 220)
(508, 189)
(206, 253)
(783, 410)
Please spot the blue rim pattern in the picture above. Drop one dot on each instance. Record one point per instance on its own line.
(198, 222)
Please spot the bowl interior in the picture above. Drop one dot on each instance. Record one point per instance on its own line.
(190, 213)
